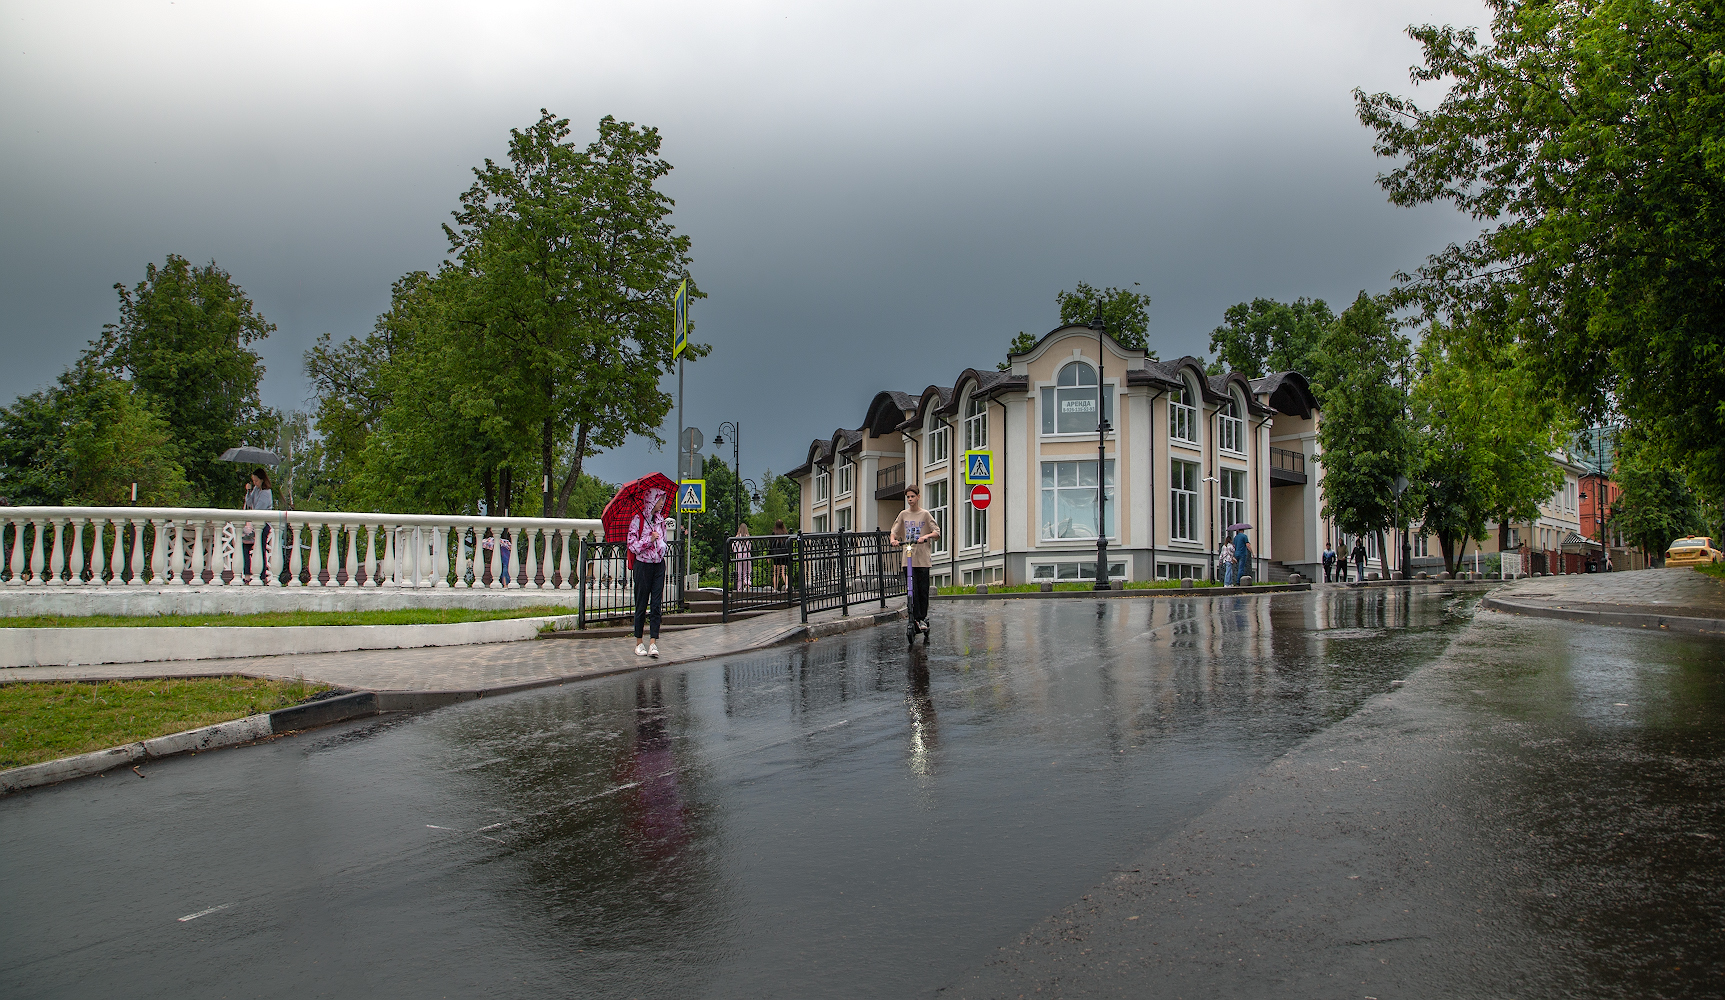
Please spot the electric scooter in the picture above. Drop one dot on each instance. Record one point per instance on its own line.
(911, 533)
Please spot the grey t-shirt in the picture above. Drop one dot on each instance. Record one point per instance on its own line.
(259, 500)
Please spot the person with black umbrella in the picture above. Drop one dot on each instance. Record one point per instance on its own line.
(258, 497)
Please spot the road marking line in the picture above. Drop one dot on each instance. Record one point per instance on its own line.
(428, 826)
(204, 913)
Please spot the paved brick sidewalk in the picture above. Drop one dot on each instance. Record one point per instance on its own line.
(1645, 598)
(478, 668)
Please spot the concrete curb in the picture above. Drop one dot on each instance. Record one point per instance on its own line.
(223, 734)
(1268, 588)
(1671, 623)
(54, 647)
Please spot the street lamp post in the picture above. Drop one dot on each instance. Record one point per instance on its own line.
(736, 466)
(1102, 582)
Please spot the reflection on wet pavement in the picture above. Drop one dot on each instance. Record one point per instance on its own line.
(845, 818)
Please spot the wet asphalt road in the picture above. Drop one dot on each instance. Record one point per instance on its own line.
(1214, 797)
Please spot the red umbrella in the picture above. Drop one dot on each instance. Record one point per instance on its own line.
(630, 498)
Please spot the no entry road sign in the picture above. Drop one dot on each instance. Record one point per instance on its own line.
(980, 497)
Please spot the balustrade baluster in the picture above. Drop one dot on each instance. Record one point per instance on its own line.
(460, 559)
(352, 531)
(386, 571)
(529, 539)
(75, 574)
(36, 553)
(57, 557)
(293, 557)
(367, 559)
(314, 553)
(563, 581)
(172, 529)
(17, 579)
(97, 561)
(439, 557)
(200, 555)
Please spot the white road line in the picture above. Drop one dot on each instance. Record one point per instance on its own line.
(428, 826)
(204, 913)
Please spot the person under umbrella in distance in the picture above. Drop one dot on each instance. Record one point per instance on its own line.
(647, 550)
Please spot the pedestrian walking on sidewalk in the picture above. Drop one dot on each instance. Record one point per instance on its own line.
(647, 546)
(780, 547)
(1242, 556)
(1329, 561)
(1360, 559)
(1230, 565)
(742, 557)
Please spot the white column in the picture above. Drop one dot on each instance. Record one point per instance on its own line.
(439, 556)
(138, 526)
(386, 571)
(368, 554)
(198, 558)
(563, 579)
(98, 562)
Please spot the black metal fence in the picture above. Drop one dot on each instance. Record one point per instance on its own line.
(606, 584)
(761, 573)
(814, 572)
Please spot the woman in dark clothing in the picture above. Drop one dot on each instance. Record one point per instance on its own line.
(1359, 555)
(780, 547)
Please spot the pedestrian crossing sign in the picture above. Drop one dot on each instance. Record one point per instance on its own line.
(978, 468)
(692, 497)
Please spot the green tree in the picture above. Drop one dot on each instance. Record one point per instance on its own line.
(573, 264)
(86, 441)
(183, 341)
(1264, 336)
(1658, 503)
(1125, 312)
(1484, 434)
(1591, 137)
(781, 500)
(1363, 433)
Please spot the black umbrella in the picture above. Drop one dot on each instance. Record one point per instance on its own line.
(248, 455)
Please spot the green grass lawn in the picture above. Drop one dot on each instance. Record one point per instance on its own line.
(41, 722)
(269, 619)
(1714, 570)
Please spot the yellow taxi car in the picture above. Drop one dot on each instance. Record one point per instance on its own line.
(1695, 550)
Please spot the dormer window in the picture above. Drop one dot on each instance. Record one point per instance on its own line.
(936, 444)
(1069, 405)
(976, 424)
(823, 483)
(1232, 427)
(847, 475)
(1183, 415)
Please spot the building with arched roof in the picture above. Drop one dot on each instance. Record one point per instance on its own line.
(1188, 454)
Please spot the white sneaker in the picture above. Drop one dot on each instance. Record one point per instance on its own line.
(640, 650)
(653, 650)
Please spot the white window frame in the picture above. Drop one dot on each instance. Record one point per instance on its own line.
(822, 524)
(1047, 493)
(936, 490)
(847, 519)
(936, 436)
(1182, 415)
(1073, 570)
(1183, 521)
(823, 483)
(1233, 507)
(1232, 437)
(975, 526)
(847, 476)
(975, 424)
(1053, 395)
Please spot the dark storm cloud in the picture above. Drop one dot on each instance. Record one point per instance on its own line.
(879, 196)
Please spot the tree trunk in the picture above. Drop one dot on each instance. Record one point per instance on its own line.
(505, 489)
(574, 476)
(545, 458)
(490, 493)
(1383, 553)
(1447, 543)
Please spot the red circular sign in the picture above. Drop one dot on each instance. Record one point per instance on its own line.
(980, 497)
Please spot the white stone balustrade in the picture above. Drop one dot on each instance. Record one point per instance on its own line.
(186, 546)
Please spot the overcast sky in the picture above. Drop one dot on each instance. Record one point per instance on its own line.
(880, 195)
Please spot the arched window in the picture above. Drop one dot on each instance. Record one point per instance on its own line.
(976, 424)
(1069, 405)
(1232, 426)
(1183, 414)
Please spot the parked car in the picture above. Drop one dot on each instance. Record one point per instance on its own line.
(1695, 550)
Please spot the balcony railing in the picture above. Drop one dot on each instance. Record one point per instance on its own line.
(1287, 466)
(889, 482)
(95, 547)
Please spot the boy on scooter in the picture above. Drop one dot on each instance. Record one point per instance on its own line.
(916, 528)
